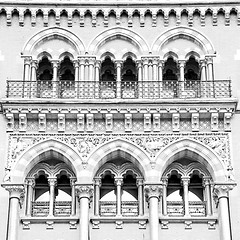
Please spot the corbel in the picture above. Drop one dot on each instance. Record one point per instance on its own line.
(128, 122)
(22, 122)
(42, 122)
(109, 122)
(175, 122)
(214, 121)
(10, 122)
(195, 122)
(80, 122)
(147, 122)
(90, 122)
(156, 122)
(61, 122)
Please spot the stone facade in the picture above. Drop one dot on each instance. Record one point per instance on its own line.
(119, 120)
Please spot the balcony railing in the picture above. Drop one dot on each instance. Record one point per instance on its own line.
(196, 208)
(128, 209)
(166, 89)
(61, 209)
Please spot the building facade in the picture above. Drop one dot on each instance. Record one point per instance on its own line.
(119, 120)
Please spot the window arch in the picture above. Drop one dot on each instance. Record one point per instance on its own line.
(186, 190)
(50, 190)
(118, 189)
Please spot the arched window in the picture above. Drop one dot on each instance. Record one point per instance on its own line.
(66, 78)
(170, 77)
(187, 190)
(118, 190)
(44, 78)
(129, 79)
(50, 190)
(107, 79)
(192, 77)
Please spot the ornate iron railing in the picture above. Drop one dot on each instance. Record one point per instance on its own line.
(61, 209)
(196, 208)
(128, 208)
(167, 89)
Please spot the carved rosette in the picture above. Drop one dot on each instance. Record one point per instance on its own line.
(222, 189)
(15, 190)
(153, 190)
(84, 191)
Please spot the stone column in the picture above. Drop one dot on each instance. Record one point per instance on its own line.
(182, 79)
(164, 196)
(84, 193)
(98, 182)
(91, 69)
(55, 83)
(203, 70)
(221, 191)
(34, 64)
(185, 182)
(140, 83)
(97, 78)
(153, 193)
(73, 207)
(30, 189)
(82, 68)
(145, 69)
(155, 68)
(52, 183)
(15, 192)
(140, 196)
(160, 70)
(76, 68)
(26, 71)
(118, 66)
(207, 194)
(209, 68)
(119, 182)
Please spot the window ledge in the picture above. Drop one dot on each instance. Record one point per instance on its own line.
(49, 221)
(188, 221)
(119, 221)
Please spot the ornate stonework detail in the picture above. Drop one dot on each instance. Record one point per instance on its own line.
(188, 224)
(151, 144)
(22, 122)
(95, 224)
(153, 191)
(49, 224)
(222, 190)
(214, 121)
(128, 122)
(142, 224)
(84, 191)
(119, 224)
(10, 122)
(73, 224)
(15, 190)
(147, 122)
(212, 224)
(61, 122)
(164, 224)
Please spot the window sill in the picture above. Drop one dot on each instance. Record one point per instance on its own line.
(188, 221)
(49, 221)
(119, 221)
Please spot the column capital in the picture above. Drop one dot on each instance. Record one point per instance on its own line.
(139, 182)
(73, 181)
(161, 62)
(75, 63)
(15, 190)
(209, 60)
(118, 181)
(98, 63)
(84, 191)
(181, 63)
(185, 180)
(206, 181)
(202, 62)
(30, 182)
(52, 181)
(55, 63)
(98, 181)
(34, 63)
(118, 63)
(139, 63)
(164, 181)
(222, 189)
(155, 60)
(27, 59)
(153, 190)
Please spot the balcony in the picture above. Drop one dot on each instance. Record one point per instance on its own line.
(167, 89)
(196, 208)
(61, 209)
(128, 208)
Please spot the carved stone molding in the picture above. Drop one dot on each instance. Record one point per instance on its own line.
(153, 190)
(84, 191)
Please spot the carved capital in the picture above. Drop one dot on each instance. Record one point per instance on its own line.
(222, 190)
(98, 181)
(52, 181)
(118, 181)
(15, 190)
(153, 191)
(84, 191)
(30, 182)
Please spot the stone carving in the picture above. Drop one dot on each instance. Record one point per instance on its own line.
(85, 144)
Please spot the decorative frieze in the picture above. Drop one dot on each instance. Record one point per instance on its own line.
(151, 144)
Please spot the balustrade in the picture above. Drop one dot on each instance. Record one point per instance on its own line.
(61, 209)
(128, 208)
(166, 89)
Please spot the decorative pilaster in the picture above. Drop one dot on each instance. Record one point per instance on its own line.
(26, 71)
(140, 195)
(15, 192)
(109, 122)
(209, 60)
(72, 183)
(84, 194)
(185, 182)
(221, 191)
(153, 193)
(98, 183)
